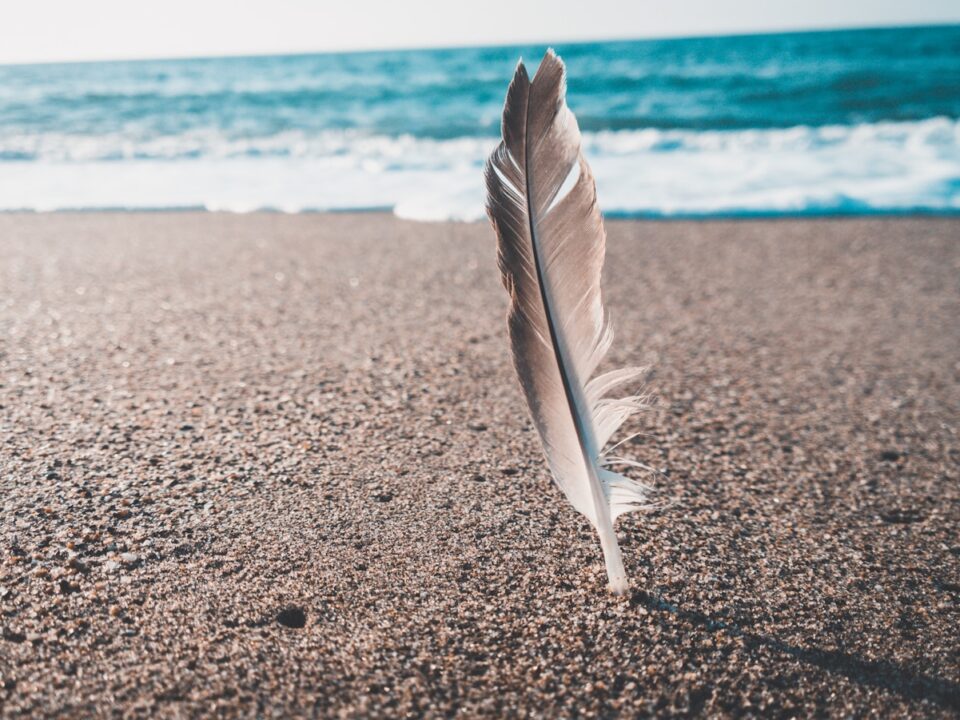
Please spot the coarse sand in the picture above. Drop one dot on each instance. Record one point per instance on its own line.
(271, 465)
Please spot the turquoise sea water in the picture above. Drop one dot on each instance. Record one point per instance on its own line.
(854, 122)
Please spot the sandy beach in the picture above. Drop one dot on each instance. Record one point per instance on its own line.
(279, 465)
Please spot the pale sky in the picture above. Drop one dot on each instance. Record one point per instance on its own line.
(55, 30)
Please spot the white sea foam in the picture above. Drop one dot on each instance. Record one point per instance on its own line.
(882, 167)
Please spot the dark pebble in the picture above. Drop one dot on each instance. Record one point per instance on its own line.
(292, 617)
(14, 637)
(901, 516)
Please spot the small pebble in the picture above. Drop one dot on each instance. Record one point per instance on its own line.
(292, 617)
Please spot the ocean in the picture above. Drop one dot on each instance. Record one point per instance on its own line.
(845, 122)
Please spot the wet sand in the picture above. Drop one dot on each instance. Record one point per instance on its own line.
(280, 465)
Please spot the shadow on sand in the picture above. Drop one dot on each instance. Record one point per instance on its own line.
(880, 674)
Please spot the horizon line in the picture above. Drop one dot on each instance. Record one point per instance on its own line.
(479, 45)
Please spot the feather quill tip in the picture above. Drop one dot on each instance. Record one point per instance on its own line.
(619, 586)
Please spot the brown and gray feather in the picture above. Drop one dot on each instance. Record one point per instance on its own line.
(543, 205)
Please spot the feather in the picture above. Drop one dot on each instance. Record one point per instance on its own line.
(542, 202)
